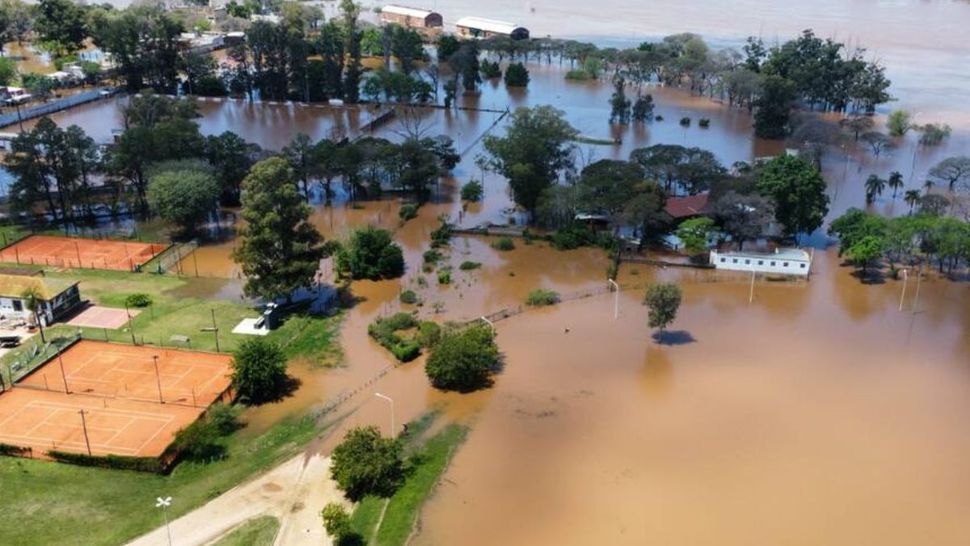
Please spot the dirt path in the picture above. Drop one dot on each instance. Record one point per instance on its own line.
(295, 492)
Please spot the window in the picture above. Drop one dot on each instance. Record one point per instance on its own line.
(784, 264)
(772, 264)
(747, 262)
(761, 262)
(802, 266)
(18, 305)
(734, 260)
(723, 260)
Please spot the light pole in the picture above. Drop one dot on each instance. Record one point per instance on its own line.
(490, 323)
(751, 291)
(919, 278)
(84, 428)
(391, 401)
(902, 296)
(164, 503)
(616, 298)
(158, 379)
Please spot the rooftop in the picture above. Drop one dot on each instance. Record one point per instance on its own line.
(406, 11)
(691, 205)
(779, 253)
(488, 25)
(13, 286)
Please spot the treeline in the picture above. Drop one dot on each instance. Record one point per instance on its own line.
(63, 176)
(866, 238)
(820, 74)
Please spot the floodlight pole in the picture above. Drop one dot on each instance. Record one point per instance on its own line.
(84, 427)
(131, 328)
(391, 400)
(616, 298)
(902, 296)
(919, 278)
(60, 362)
(751, 291)
(215, 329)
(164, 504)
(158, 379)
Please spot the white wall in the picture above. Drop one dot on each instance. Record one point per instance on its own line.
(762, 263)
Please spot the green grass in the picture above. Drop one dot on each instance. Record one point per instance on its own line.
(259, 531)
(50, 503)
(426, 464)
(310, 338)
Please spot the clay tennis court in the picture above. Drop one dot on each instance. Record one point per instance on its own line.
(118, 389)
(51, 250)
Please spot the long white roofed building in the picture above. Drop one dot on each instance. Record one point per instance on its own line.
(479, 27)
(416, 18)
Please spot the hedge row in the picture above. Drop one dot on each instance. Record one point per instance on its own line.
(14, 451)
(117, 462)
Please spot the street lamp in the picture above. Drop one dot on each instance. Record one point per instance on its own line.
(490, 323)
(902, 296)
(616, 298)
(391, 400)
(164, 503)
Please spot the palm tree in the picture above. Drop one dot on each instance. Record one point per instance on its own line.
(32, 299)
(874, 187)
(895, 182)
(911, 197)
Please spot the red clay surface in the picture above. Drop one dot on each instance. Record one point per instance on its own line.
(116, 386)
(50, 250)
(103, 317)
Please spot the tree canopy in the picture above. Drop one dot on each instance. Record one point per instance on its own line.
(259, 370)
(364, 463)
(798, 191)
(183, 196)
(372, 254)
(662, 301)
(463, 360)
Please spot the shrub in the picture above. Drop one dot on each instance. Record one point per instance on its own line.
(14, 451)
(576, 236)
(336, 521)
(704, 123)
(259, 370)
(224, 417)
(200, 441)
(384, 331)
(371, 254)
(516, 75)
(579, 75)
(504, 243)
(444, 276)
(409, 297)
(429, 333)
(658, 118)
(117, 462)
(541, 297)
(138, 300)
(442, 235)
(463, 360)
(408, 212)
(364, 463)
(468, 266)
(431, 256)
(685, 121)
(490, 70)
(472, 191)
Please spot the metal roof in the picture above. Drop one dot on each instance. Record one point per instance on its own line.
(488, 25)
(406, 11)
(13, 286)
(778, 254)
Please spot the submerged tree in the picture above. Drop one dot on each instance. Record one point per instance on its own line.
(662, 301)
(619, 103)
(798, 192)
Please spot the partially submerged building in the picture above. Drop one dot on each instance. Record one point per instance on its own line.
(416, 18)
(58, 298)
(783, 261)
(479, 27)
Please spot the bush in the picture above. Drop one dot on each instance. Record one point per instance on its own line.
(259, 370)
(579, 75)
(117, 462)
(685, 121)
(224, 417)
(490, 70)
(371, 254)
(504, 244)
(468, 266)
(336, 521)
(138, 300)
(429, 333)
(442, 235)
(463, 360)
(516, 75)
(658, 118)
(408, 212)
(14, 451)
(444, 276)
(184, 197)
(541, 297)
(200, 441)
(364, 463)
(384, 331)
(577, 236)
(704, 123)
(431, 256)
(409, 297)
(472, 191)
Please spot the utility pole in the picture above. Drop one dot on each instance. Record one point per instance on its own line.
(215, 329)
(919, 278)
(616, 298)
(902, 296)
(60, 361)
(391, 400)
(751, 291)
(84, 427)
(158, 379)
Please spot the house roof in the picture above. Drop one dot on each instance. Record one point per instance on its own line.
(794, 254)
(488, 25)
(683, 207)
(13, 286)
(406, 11)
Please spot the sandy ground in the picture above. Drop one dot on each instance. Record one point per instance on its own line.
(295, 492)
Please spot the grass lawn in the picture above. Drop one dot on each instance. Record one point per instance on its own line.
(259, 531)
(51, 503)
(428, 460)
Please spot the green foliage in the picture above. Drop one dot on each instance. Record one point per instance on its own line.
(184, 197)
(463, 360)
(279, 250)
(8, 70)
(517, 75)
(472, 191)
(444, 276)
(224, 417)
(200, 442)
(429, 333)
(533, 153)
(364, 463)
(578, 75)
(336, 521)
(257, 531)
(541, 297)
(695, 232)
(798, 192)
(663, 301)
(685, 121)
(409, 297)
(704, 123)
(372, 254)
(138, 300)
(576, 236)
(408, 212)
(490, 70)
(259, 370)
(441, 236)
(469, 265)
(385, 330)
(431, 256)
(933, 134)
(643, 108)
(448, 45)
(865, 250)
(899, 123)
(504, 244)
(115, 462)
(773, 107)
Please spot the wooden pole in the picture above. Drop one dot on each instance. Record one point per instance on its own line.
(84, 427)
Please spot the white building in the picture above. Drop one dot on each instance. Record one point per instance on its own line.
(410, 17)
(479, 27)
(783, 261)
(57, 298)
